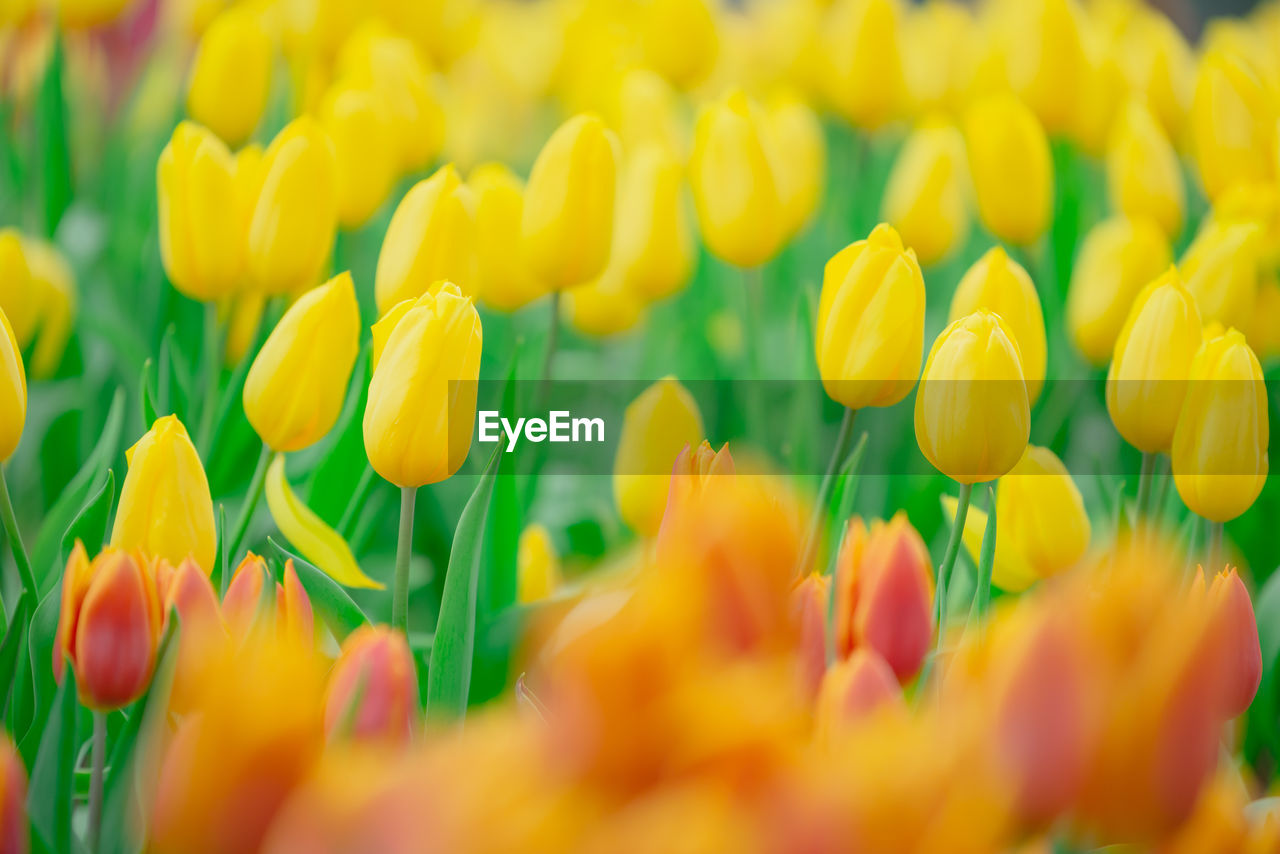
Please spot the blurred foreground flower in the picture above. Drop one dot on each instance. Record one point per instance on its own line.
(13, 800)
(373, 689)
(657, 425)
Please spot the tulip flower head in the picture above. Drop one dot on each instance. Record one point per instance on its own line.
(422, 397)
(1241, 654)
(657, 426)
(55, 288)
(854, 688)
(654, 240)
(863, 63)
(1220, 440)
(1000, 284)
(799, 159)
(231, 75)
(537, 565)
(735, 188)
(256, 601)
(108, 627)
(505, 281)
(165, 508)
(927, 197)
(605, 307)
(365, 150)
(296, 214)
(870, 329)
(972, 411)
(1144, 177)
(1220, 268)
(431, 237)
(13, 799)
(17, 290)
(13, 390)
(1012, 168)
(810, 604)
(568, 219)
(373, 689)
(884, 594)
(295, 388)
(1119, 257)
(1232, 123)
(1151, 364)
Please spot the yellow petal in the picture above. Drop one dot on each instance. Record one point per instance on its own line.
(308, 533)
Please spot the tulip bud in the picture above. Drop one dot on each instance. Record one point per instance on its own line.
(202, 234)
(431, 237)
(1147, 380)
(567, 225)
(243, 605)
(231, 75)
(1264, 332)
(1232, 123)
(294, 391)
(1118, 258)
(870, 331)
(1046, 57)
(1011, 167)
(426, 376)
(654, 241)
(1144, 177)
(13, 391)
(938, 39)
(537, 565)
(1220, 268)
(505, 281)
(364, 148)
(14, 837)
(648, 114)
(884, 594)
(973, 416)
(17, 290)
(188, 591)
(809, 605)
(242, 326)
(1157, 63)
(678, 38)
(1041, 518)
(927, 197)
(373, 688)
(165, 509)
(800, 160)
(606, 307)
(656, 426)
(55, 287)
(854, 688)
(1236, 642)
(1220, 442)
(296, 214)
(1257, 204)
(690, 473)
(108, 627)
(735, 190)
(1000, 284)
(863, 65)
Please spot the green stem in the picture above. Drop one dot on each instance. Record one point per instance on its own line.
(986, 561)
(553, 342)
(209, 407)
(357, 502)
(949, 560)
(844, 439)
(400, 594)
(1144, 484)
(250, 504)
(95, 780)
(1215, 548)
(15, 541)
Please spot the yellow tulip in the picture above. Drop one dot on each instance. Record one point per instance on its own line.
(735, 190)
(245, 316)
(364, 149)
(567, 225)
(927, 196)
(202, 228)
(870, 331)
(1011, 167)
(1147, 380)
(13, 391)
(972, 414)
(17, 290)
(538, 566)
(393, 67)
(422, 398)
(1220, 444)
(54, 285)
(646, 113)
(938, 38)
(231, 74)
(295, 388)
(654, 239)
(605, 307)
(1264, 331)
(431, 237)
(800, 160)
(505, 281)
(1046, 57)
(1118, 258)
(656, 426)
(293, 223)
(1220, 268)
(1041, 520)
(165, 509)
(678, 38)
(83, 14)
(1000, 284)
(1253, 203)
(1232, 124)
(1158, 64)
(1144, 177)
(863, 65)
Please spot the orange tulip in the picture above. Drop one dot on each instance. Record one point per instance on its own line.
(13, 800)
(188, 591)
(374, 687)
(1235, 640)
(690, 473)
(809, 605)
(241, 605)
(854, 688)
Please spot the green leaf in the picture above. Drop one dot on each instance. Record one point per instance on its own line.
(53, 146)
(45, 553)
(846, 491)
(41, 637)
(986, 559)
(148, 713)
(11, 645)
(49, 795)
(90, 525)
(1264, 714)
(150, 411)
(338, 610)
(449, 675)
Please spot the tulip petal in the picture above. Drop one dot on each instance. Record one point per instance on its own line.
(318, 543)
